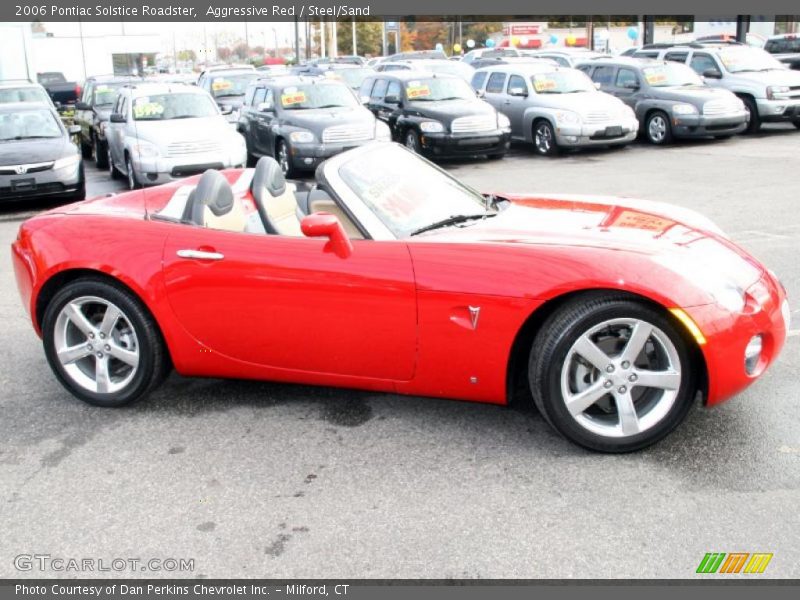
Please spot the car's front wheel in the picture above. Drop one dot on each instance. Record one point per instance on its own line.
(754, 124)
(411, 141)
(284, 157)
(611, 374)
(102, 344)
(658, 128)
(544, 139)
(133, 182)
(100, 153)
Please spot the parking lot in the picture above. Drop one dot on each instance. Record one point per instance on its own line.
(266, 480)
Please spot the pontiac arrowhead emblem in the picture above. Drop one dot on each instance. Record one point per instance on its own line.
(21, 169)
(474, 313)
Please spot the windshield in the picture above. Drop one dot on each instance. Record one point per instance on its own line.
(738, 60)
(165, 107)
(311, 96)
(26, 94)
(406, 192)
(670, 75)
(28, 124)
(106, 93)
(50, 78)
(783, 45)
(231, 84)
(431, 89)
(566, 81)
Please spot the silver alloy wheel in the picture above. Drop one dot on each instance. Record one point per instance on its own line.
(544, 138)
(96, 344)
(131, 175)
(411, 141)
(283, 157)
(621, 377)
(657, 129)
(110, 162)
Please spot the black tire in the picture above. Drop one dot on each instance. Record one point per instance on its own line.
(551, 348)
(755, 120)
(722, 137)
(411, 141)
(796, 124)
(658, 128)
(112, 170)
(154, 363)
(81, 193)
(133, 182)
(283, 154)
(86, 149)
(100, 154)
(544, 138)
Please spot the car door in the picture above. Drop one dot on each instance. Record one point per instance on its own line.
(116, 131)
(261, 121)
(627, 86)
(604, 75)
(515, 102)
(84, 118)
(495, 93)
(286, 303)
(376, 96)
(389, 111)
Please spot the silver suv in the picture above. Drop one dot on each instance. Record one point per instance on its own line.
(159, 132)
(770, 91)
(554, 107)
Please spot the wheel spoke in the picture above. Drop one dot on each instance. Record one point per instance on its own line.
(580, 402)
(628, 418)
(129, 357)
(76, 316)
(589, 350)
(110, 319)
(101, 376)
(70, 354)
(664, 380)
(639, 336)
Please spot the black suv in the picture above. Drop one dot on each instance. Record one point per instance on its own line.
(92, 112)
(301, 121)
(436, 115)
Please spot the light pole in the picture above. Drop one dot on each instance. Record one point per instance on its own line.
(355, 44)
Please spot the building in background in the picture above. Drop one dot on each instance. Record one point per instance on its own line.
(16, 52)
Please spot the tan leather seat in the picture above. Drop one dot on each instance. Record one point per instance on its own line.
(329, 206)
(211, 204)
(274, 199)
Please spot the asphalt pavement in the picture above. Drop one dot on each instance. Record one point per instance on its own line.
(265, 480)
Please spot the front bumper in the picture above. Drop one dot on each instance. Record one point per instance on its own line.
(776, 111)
(686, 126)
(307, 157)
(442, 145)
(52, 183)
(158, 170)
(623, 131)
(727, 334)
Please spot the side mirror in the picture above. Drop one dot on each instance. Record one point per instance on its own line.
(226, 109)
(391, 100)
(480, 93)
(712, 74)
(324, 224)
(264, 107)
(517, 91)
(117, 118)
(82, 106)
(74, 129)
(598, 85)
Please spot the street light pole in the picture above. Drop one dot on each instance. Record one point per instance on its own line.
(355, 44)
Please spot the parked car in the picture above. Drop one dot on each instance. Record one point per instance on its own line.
(37, 156)
(786, 48)
(227, 86)
(480, 53)
(669, 99)
(555, 107)
(350, 74)
(510, 60)
(161, 132)
(609, 315)
(568, 57)
(436, 115)
(22, 90)
(433, 65)
(770, 91)
(416, 55)
(301, 121)
(61, 91)
(92, 113)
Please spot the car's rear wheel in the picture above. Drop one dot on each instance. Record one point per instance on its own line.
(411, 141)
(284, 157)
(133, 182)
(112, 170)
(100, 153)
(611, 374)
(102, 344)
(544, 138)
(86, 149)
(658, 128)
(752, 109)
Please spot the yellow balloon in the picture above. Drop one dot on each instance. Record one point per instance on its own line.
(514, 40)
(457, 48)
(571, 39)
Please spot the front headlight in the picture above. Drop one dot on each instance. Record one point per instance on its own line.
(776, 89)
(502, 121)
(431, 127)
(684, 109)
(568, 117)
(382, 132)
(301, 137)
(67, 161)
(145, 150)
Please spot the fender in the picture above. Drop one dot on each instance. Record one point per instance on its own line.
(531, 114)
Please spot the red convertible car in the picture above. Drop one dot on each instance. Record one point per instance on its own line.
(388, 274)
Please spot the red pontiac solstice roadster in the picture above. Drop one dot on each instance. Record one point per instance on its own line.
(388, 274)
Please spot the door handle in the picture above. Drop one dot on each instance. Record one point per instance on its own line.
(200, 254)
(507, 102)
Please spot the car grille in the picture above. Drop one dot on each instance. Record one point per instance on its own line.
(189, 148)
(598, 116)
(474, 124)
(29, 168)
(720, 107)
(341, 134)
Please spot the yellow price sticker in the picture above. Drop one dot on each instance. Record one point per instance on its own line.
(221, 84)
(542, 84)
(655, 78)
(293, 98)
(418, 91)
(147, 109)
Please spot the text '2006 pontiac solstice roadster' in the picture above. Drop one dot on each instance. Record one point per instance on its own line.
(388, 274)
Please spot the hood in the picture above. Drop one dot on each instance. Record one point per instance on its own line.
(25, 152)
(451, 109)
(582, 102)
(184, 130)
(787, 77)
(689, 93)
(676, 238)
(323, 117)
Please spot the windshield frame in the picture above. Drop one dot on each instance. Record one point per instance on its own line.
(469, 93)
(673, 67)
(347, 92)
(214, 109)
(567, 72)
(37, 108)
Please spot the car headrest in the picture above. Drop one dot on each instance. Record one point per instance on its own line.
(213, 191)
(268, 179)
